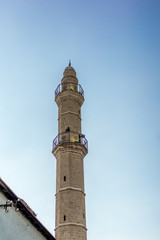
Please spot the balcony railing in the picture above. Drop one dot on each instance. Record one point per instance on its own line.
(69, 87)
(70, 137)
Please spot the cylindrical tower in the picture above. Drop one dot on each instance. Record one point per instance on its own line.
(70, 148)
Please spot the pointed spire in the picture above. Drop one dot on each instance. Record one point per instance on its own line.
(69, 63)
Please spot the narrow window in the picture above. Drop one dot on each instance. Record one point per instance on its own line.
(64, 178)
(64, 218)
(83, 215)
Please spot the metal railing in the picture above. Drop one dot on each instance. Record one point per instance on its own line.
(69, 87)
(70, 137)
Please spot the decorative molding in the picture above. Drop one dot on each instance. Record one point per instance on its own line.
(69, 112)
(75, 96)
(70, 188)
(71, 223)
(70, 148)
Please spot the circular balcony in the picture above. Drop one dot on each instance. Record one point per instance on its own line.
(70, 137)
(69, 86)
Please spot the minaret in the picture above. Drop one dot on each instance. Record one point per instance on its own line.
(70, 147)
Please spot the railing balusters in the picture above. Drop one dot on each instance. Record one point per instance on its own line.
(70, 137)
(69, 86)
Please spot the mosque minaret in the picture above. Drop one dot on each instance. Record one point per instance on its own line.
(69, 148)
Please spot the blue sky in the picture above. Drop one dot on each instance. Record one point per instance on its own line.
(115, 49)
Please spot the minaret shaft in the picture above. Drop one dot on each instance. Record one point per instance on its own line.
(69, 114)
(70, 148)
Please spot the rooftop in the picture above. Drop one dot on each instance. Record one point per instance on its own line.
(24, 209)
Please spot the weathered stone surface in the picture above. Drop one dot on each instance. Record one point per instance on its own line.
(70, 196)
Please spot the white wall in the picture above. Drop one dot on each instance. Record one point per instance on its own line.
(13, 226)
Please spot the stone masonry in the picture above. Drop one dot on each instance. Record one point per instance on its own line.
(70, 147)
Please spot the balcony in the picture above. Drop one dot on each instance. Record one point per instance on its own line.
(69, 87)
(70, 137)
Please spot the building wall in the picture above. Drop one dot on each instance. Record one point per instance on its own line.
(13, 226)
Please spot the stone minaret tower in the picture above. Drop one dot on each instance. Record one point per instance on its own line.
(69, 148)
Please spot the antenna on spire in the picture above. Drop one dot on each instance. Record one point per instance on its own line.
(69, 62)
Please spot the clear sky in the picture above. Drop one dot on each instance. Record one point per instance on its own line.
(114, 46)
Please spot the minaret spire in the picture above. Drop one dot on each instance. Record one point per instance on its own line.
(69, 63)
(70, 147)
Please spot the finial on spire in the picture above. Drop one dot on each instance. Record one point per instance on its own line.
(69, 62)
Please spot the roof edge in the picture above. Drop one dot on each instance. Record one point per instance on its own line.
(25, 210)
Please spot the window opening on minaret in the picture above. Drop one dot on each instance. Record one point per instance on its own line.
(68, 129)
(64, 178)
(64, 217)
(83, 215)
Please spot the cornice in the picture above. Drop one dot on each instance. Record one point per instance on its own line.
(76, 148)
(72, 95)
